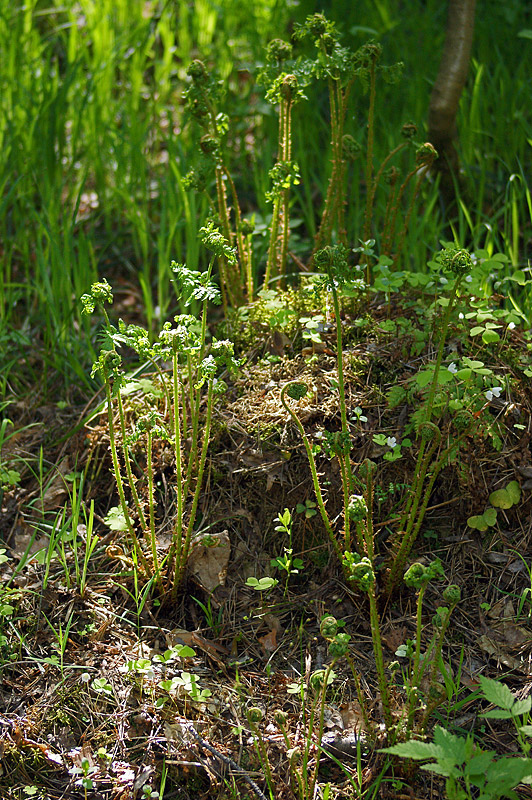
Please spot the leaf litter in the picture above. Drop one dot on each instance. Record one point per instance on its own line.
(88, 692)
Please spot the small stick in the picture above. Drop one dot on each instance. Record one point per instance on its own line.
(227, 761)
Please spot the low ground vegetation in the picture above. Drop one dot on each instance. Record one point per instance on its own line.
(276, 540)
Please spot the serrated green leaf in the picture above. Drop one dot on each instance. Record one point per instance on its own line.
(416, 750)
(497, 713)
(506, 773)
(396, 396)
(445, 768)
(455, 747)
(522, 706)
(479, 763)
(496, 692)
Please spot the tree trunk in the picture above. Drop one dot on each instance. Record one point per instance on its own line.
(446, 93)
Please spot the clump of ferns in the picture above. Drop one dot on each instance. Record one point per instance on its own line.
(433, 452)
(286, 78)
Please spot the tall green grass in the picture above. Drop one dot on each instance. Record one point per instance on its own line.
(91, 134)
(95, 146)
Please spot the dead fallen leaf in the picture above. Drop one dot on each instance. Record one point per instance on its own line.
(395, 637)
(193, 639)
(352, 716)
(56, 491)
(268, 641)
(209, 558)
(504, 636)
(493, 649)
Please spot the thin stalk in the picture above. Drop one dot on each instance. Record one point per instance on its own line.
(360, 694)
(325, 227)
(422, 459)
(413, 530)
(387, 236)
(321, 702)
(340, 165)
(379, 659)
(368, 528)
(346, 493)
(435, 657)
(378, 175)
(406, 223)
(118, 477)
(91, 540)
(272, 248)
(196, 399)
(397, 203)
(178, 532)
(445, 325)
(361, 537)
(182, 556)
(285, 216)
(414, 678)
(408, 516)
(225, 284)
(313, 472)
(341, 382)
(262, 754)
(129, 472)
(151, 504)
(239, 238)
(272, 261)
(369, 163)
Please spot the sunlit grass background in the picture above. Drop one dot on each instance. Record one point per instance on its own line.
(95, 145)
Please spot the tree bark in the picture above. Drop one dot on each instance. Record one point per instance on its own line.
(447, 90)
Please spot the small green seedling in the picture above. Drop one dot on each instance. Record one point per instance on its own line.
(500, 498)
(116, 519)
(308, 508)
(189, 683)
(262, 584)
(358, 415)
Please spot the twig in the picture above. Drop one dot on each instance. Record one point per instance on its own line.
(227, 761)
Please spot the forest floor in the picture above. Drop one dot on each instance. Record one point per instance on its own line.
(83, 710)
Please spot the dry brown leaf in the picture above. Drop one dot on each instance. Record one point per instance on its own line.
(193, 639)
(352, 716)
(394, 637)
(56, 491)
(269, 641)
(23, 542)
(209, 558)
(497, 652)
